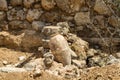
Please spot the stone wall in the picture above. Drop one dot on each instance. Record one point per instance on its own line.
(21, 21)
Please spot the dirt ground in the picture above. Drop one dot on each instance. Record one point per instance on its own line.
(110, 72)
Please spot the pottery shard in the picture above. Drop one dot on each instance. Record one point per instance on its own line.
(82, 18)
(3, 5)
(70, 5)
(48, 4)
(101, 8)
(60, 49)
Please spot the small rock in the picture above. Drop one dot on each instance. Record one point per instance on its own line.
(4, 25)
(5, 62)
(16, 2)
(37, 73)
(70, 6)
(11, 69)
(33, 14)
(50, 30)
(93, 61)
(2, 15)
(49, 58)
(118, 55)
(91, 52)
(113, 21)
(21, 58)
(101, 8)
(99, 20)
(28, 3)
(15, 14)
(82, 18)
(16, 24)
(37, 25)
(48, 4)
(79, 64)
(33, 64)
(79, 46)
(3, 5)
(70, 72)
(112, 60)
(64, 27)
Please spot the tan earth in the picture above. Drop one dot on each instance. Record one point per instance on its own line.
(110, 72)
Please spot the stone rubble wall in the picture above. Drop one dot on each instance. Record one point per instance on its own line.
(21, 21)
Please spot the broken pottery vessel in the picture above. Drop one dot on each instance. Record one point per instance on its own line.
(60, 49)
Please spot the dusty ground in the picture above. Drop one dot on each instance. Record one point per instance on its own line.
(110, 72)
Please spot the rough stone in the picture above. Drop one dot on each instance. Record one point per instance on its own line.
(60, 49)
(2, 15)
(5, 62)
(70, 72)
(82, 18)
(50, 30)
(49, 58)
(34, 64)
(16, 2)
(24, 41)
(70, 5)
(33, 14)
(118, 55)
(15, 14)
(19, 24)
(78, 45)
(101, 8)
(3, 5)
(4, 25)
(48, 4)
(96, 61)
(113, 21)
(91, 52)
(11, 69)
(64, 27)
(112, 60)
(50, 17)
(79, 64)
(38, 25)
(21, 58)
(99, 20)
(28, 3)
